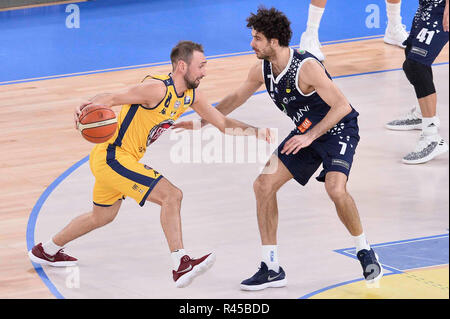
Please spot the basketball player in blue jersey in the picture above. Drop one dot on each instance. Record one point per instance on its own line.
(148, 109)
(326, 132)
(428, 36)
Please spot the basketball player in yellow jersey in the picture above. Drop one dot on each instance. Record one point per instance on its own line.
(148, 109)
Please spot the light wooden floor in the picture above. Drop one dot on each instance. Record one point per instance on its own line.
(40, 143)
(42, 5)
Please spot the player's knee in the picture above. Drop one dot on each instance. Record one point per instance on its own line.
(337, 194)
(335, 191)
(407, 70)
(178, 195)
(173, 195)
(262, 187)
(420, 76)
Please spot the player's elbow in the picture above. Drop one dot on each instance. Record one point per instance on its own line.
(343, 106)
(347, 108)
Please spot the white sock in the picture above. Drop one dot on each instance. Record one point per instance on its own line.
(429, 125)
(176, 257)
(418, 110)
(314, 17)
(393, 11)
(270, 256)
(361, 242)
(51, 248)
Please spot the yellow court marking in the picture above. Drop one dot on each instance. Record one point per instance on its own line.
(428, 283)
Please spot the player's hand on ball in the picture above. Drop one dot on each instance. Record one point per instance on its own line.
(295, 143)
(77, 112)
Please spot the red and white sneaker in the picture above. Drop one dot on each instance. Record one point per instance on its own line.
(191, 268)
(38, 255)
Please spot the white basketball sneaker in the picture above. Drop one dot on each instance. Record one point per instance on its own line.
(409, 121)
(427, 148)
(310, 42)
(396, 35)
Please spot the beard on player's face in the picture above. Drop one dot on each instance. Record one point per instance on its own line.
(191, 81)
(264, 53)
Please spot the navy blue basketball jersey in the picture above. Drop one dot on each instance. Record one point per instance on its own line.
(427, 37)
(429, 11)
(305, 110)
(431, 6)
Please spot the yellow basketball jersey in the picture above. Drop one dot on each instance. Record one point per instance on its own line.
(139, 126)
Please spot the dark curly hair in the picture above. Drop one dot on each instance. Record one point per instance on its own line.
(272, 23)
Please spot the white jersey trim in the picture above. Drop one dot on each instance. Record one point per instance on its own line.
(298, 73)
(285, 69)
(262, 69)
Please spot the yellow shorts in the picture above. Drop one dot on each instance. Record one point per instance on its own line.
(118, 174)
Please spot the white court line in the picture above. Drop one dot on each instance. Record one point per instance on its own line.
(426, 267)
(398, 243)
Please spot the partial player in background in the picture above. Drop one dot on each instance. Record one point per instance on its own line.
(395, 32)
(148, 109)
(429, 34)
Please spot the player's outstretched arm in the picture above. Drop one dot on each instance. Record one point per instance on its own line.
(148, 93)
(244, 92)
(225, 124)
(235, 99)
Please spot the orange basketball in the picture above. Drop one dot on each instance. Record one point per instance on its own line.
(97, 123)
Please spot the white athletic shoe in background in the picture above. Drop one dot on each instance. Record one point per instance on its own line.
(310, 42)
(396, 35)
(409, 121)
(428, 147)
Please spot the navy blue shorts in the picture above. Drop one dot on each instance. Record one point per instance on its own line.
(427, 37)
(335, 150)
